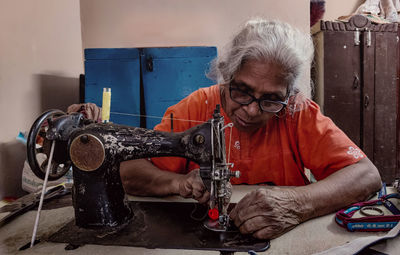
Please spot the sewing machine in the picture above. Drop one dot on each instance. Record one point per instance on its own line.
(95, 151)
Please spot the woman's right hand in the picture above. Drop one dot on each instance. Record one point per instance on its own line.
(191, 186)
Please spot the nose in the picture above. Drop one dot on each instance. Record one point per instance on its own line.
(252, 109)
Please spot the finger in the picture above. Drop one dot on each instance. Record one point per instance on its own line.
(252, 205)
(197, 193)
(239, 218)
(233, 213)
(199, 187)
(186, 190)
(186, 194)
(243, 203)
(266, 233)
(204, 199)
(254, 210)
(252, 225)
(240, 214)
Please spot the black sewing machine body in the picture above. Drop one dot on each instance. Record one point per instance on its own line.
(95, 150)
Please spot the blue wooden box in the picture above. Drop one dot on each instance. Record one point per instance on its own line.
(145, 80)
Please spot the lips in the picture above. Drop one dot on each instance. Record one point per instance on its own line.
(243, 123)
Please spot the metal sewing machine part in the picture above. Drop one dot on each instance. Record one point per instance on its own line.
(95, 150)
(220, 174)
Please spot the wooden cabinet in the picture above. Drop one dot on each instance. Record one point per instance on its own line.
(356, 74)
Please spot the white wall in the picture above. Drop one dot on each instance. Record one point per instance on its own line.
(337, 8)
(147, 23)
(40, 62)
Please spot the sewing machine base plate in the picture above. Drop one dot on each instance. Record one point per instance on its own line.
(164, 225)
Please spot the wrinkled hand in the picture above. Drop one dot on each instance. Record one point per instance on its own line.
(266, 213)
(191, 186)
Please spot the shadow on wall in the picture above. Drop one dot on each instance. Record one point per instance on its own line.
(12, 157)
(57, 92)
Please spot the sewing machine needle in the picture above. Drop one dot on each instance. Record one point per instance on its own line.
(42, 194)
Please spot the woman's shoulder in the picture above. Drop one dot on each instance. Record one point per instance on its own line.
(208, 97)
(210, 92)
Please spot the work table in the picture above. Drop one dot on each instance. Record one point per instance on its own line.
(313, 236)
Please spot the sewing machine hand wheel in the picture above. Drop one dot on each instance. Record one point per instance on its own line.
(38, 149)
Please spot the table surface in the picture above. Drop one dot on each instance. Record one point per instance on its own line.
(313, 236)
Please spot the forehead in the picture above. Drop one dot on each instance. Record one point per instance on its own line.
(262, 77)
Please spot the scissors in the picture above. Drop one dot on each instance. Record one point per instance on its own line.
(25, 203)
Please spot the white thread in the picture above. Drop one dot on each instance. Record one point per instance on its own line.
(230, 141)
(156, 117)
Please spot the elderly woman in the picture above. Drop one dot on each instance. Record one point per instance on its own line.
(278, 132)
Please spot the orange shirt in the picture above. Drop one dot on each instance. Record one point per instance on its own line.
(276, 153)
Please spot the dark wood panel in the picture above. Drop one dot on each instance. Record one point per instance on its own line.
(386, 57)
(368, 95)
(342, 82)
(397, 175)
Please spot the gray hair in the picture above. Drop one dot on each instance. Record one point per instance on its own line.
(272, 41)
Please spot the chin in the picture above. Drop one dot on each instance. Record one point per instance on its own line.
(246, 129)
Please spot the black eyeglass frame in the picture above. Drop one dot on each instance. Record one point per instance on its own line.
(258, 100)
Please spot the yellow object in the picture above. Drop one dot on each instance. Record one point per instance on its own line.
(105, 108)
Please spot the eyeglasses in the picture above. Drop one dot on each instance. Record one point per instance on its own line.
(242, 97)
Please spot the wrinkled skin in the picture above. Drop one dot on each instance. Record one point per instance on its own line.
(266, 213)
(271, 211)
(191, 186)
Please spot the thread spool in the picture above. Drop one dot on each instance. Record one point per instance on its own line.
(106, 104)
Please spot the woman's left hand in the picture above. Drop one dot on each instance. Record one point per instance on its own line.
(267, 213)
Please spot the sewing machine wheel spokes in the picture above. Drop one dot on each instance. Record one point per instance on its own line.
(38, 148)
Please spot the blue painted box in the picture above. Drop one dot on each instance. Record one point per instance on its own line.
(145, 80)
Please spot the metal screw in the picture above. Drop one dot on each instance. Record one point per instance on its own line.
(84, 139)
(235, 174)
(199, 139)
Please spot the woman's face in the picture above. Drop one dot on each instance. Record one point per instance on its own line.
(260, 79)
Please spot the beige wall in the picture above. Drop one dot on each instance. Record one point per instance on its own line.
(40, 62)
(41, 49)
(337, 8)
(146, 23)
